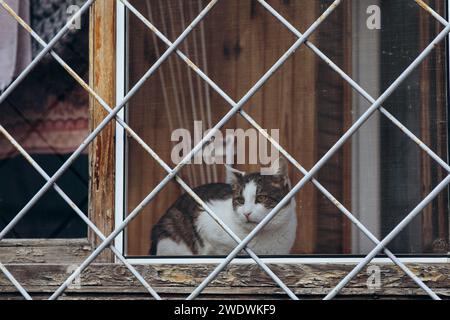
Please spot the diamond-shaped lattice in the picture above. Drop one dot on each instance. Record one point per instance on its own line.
(236, 107)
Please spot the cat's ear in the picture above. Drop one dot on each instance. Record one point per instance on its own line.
(233, 175)
(279, 167)
(280, 171)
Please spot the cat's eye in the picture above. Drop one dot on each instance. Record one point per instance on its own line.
(261, 199)
(240, 200)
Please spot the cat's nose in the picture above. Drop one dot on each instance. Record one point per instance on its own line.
(247, 215)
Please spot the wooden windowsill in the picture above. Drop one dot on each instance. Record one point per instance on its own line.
(44, 251)
(114, 281)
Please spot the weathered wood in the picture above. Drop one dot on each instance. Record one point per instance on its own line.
(433, 132)
(228, 297)
(312, 280)
(44, 251)
(102, 73)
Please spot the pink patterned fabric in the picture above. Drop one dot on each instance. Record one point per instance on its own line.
(57, 128)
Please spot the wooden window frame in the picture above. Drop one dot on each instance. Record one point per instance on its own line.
(42, 265)
(102, 78)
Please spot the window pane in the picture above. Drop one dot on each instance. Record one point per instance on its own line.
(48, 115)
(379, 175)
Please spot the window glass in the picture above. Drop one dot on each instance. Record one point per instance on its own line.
(47, 113)
(379, 175)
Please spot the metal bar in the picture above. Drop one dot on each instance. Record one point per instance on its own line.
(432, 12)
(287, 155)
(16, 284)
(322, 161)
(78, 211)
(389, 237)
(105, 121)
(170, 176)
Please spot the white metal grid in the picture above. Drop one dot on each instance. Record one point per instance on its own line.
(236, 107)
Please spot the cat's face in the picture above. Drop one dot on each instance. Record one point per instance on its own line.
(255, 195)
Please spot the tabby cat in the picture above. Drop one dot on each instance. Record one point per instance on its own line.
(241, 203)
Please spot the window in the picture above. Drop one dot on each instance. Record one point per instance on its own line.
(380, 175)
(378, 170)
(48, 116)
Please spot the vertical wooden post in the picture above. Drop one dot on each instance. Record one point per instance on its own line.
(102, 77)
(433, 130)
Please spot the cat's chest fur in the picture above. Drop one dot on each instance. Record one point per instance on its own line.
(276, 238)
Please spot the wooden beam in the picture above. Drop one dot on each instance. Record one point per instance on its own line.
(312, 280)
(102, 74)
(433, 132)
(44, 251)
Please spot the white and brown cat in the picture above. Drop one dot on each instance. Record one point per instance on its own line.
(241, 203)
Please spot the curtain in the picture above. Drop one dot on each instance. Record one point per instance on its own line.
(15, 42)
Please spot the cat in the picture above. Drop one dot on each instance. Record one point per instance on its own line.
(241, 203)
